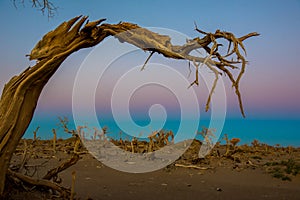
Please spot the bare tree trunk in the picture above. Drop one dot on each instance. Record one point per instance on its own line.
(20, 95)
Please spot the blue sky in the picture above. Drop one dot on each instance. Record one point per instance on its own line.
(271, 86)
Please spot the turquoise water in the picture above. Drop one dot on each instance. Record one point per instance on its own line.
(271, 131)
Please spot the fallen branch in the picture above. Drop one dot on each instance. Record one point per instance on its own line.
(192, 166)
(40, 182)
(251, 164)
(53, 172)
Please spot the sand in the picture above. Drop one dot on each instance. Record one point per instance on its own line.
(245, 174)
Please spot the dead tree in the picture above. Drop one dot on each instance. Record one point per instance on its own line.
(20, 95)
(45, 6)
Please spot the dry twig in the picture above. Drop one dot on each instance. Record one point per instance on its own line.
(192, 166)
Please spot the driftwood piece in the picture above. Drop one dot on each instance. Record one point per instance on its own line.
(53, 172)
(40, 183)
(192, 166)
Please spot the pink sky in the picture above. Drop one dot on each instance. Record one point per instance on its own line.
(270, 87)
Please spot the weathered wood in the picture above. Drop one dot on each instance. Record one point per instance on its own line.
(40, 182)
(192, 166)
(65, 165)
(20, 95)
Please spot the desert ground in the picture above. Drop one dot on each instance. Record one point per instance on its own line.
(230, 171)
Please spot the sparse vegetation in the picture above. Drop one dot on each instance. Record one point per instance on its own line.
(230, 145)
(283, 169)
(236, 157)
(208, 136)
(255, 143)
(257, 157)
(234, 141)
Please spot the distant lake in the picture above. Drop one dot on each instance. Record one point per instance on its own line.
(271, 131)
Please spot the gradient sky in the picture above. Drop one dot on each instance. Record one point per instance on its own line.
(270, 88)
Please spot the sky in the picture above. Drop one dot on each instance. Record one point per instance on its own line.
(270, 87)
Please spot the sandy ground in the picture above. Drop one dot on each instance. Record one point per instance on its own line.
(99, 182)
(226, 177)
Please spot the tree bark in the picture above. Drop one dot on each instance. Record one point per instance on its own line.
(20, 95)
